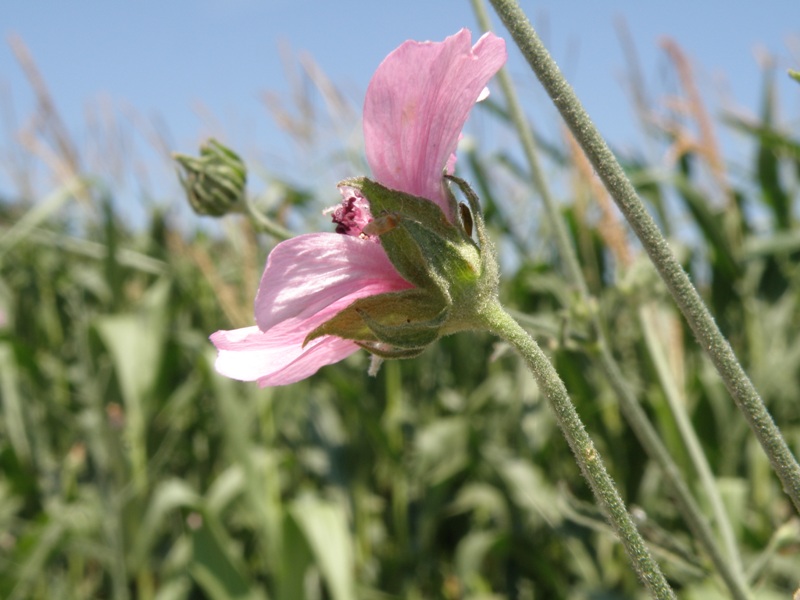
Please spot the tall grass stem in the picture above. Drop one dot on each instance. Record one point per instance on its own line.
(689, 437)
(655, 448)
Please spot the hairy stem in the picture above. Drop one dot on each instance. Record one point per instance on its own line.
(500, 323)
(686, 296)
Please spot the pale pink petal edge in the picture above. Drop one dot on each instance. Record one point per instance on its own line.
(248, 354)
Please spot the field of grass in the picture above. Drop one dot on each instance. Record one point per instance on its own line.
(130, 469)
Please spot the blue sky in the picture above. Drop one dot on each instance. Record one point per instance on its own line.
(166, 59)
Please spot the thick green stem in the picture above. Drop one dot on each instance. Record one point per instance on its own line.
(497, 321)
(678, 283)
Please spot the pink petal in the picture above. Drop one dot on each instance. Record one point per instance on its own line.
(308, 280)
(275, 358)
(416, 106)
(308, 274)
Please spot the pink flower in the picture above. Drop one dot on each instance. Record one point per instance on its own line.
(415, 108)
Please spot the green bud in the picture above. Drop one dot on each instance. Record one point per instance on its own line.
(215, 181)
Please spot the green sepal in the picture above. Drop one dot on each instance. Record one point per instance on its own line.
(455, 278)
(385, 200)
(408, 257)
(412, 334)
(490, 274)
(379, 350)
(424, 246)
(410, 318)
(458, 263)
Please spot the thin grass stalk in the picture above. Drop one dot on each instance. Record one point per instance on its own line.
(690, 439)
(692, 514)
(263, 222)
(684, 293)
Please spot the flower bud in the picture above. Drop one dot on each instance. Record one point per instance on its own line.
(215, 181)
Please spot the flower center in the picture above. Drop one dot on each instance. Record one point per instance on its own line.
(353, 214)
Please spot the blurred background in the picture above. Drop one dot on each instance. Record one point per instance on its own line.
(129, 469)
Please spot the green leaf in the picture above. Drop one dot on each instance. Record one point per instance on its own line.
(472, 551)
(767, 164)
(442, 449)
(295, 559)
(169, 496)
(40, 213)
(215, 567)
(529, 489)
(136, 345)
(324, 525)
(13, 422)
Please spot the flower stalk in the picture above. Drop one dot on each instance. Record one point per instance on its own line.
(491, 316)
(683, 292)
(500, 323)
